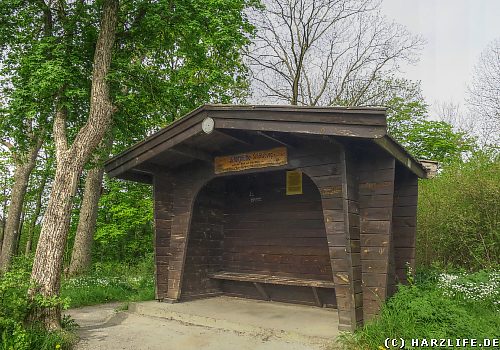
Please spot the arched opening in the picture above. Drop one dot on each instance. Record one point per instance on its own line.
(246, 225)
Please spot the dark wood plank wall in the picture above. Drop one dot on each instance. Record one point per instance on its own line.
(271, 233)
(204, 248)
(404, 221)
(376, 172)
(325, 163)
(268, 232)
(163, 200)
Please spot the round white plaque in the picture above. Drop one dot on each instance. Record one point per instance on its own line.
(207, 125)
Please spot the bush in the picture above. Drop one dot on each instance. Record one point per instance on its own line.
(15, 306)
(434, 308)
(459, 215)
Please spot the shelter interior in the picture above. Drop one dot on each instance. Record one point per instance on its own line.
(245, 227)
(326, 216)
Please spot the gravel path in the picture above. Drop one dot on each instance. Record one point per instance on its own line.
(101, 327)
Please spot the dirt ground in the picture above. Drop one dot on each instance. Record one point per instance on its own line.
(144, 327)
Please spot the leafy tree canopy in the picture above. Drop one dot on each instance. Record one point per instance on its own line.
(409, 124)
(169, 56)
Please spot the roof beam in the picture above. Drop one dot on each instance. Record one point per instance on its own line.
(360, 131)
(401, 155)
(137, 176)
(277, 139)
(236, 136)
(192, 153)
(148, 153)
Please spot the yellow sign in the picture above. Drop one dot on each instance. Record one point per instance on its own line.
(251, 160)
(293, 182)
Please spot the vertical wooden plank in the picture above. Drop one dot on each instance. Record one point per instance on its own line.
(376, 189)
(404, 222)
(352, 226)
(162, 197)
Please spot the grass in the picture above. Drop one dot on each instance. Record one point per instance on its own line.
(110, 282)
(15, 308)
(104, 283)
(437, 305)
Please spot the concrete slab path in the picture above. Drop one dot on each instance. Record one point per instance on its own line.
(211, 324)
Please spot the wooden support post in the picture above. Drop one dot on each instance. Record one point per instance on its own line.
(338, 191)
(163, 199)
(261, 291)
(316, 297)
(404, 214)
(184, 197)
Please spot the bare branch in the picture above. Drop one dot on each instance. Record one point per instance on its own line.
(484, 94)
(323, 52)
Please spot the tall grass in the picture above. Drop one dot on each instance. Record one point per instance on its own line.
(107, 282)
(437, 306)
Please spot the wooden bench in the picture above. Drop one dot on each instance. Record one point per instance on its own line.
(259, 279)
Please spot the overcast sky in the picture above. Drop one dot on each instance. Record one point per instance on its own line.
(456, 32)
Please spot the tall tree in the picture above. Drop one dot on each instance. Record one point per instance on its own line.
(408, 122)
(200, 46)
(86, 88)
(24, 162)
(484, 93)
(70, 160)
(5, 186)
(43, 177)
(325, 52)
(81, 252)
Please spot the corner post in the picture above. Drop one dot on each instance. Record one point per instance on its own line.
(163, 199)
(185, 192)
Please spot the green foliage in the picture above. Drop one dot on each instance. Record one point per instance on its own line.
(459, 214)
(124, 225)
(423, 138)
(428, 310)
(15, 307)
(108, 282)
(174, 56)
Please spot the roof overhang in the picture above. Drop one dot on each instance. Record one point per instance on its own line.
(135, 163)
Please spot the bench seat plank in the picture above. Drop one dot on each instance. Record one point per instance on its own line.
(270, 279)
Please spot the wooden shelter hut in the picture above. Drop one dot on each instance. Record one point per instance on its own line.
(312, 205)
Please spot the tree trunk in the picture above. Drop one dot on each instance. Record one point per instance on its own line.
(20, 230)
(81, 254)
(4, 214)
(36, 213)
(47, 266)
(11, 230)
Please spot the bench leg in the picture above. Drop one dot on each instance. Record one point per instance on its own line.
(261, 291)
(316, 297)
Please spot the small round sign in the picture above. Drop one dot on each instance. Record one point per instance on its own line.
(207, 125)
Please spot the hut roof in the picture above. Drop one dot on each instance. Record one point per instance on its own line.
(213, 129)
